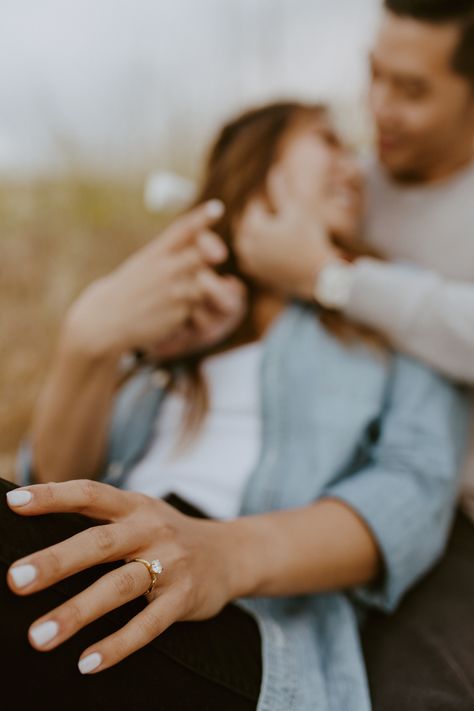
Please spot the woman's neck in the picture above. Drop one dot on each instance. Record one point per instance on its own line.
(266, 308)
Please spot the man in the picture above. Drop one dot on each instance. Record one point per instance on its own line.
(420, 210)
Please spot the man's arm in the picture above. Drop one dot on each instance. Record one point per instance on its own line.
(421, 313)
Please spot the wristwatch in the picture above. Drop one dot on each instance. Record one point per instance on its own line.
(332, 288)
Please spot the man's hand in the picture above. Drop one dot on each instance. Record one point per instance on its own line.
(285, 248)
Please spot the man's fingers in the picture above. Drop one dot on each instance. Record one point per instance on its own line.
(84, 496)
(142, 629)
(187, 227)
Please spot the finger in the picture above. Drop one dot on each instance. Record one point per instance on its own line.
(142, 629)
(224, 294)
(98, 544)
(188, 292)
(85, 496)
(188, 261)
(187, 227)
(109, 592)
(212, 248)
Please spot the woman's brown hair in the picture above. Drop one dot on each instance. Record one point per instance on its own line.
(235, 172)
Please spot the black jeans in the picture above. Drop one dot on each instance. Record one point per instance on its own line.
(210, 665)
(422, 657)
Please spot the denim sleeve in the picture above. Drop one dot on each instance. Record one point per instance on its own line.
(130, 431)
(24, 464)
(406, 492)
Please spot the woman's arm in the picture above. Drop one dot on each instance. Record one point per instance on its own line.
(321, 547)
(71, 419)
(139, 305)
(206, 563)
(381, 527)
(375, 531)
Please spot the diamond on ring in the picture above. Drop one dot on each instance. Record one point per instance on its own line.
(156, 566)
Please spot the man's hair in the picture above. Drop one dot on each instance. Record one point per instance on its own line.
(460, 12)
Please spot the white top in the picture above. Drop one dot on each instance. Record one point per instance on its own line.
(428, 314)
(212, 471)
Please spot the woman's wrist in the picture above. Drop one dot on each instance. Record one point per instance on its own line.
(296, 552)
(242, 549)
(85, 332)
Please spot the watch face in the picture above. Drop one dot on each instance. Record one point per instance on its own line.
(333, 285)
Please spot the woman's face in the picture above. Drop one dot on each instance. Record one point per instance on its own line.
(323, 176)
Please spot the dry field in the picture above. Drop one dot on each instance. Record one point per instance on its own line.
(54, 239)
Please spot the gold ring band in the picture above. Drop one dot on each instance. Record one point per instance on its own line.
(155, 569)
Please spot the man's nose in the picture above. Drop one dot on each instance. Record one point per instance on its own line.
(382, 105)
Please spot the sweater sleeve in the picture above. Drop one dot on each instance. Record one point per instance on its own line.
(406, 490)
(421, 313)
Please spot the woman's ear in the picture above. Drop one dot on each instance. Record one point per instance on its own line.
(278, 192)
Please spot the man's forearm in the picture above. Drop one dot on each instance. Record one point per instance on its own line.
(421, 313)
(321, 547)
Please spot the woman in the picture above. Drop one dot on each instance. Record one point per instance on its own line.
(328, 466)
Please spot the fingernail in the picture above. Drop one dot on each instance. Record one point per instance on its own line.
(90, 663)
(18, 497)
(23, 574)
(44, 633)
(215, 208)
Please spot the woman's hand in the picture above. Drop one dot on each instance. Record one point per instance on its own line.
(152, 293)
(222, 308)
(196, 582)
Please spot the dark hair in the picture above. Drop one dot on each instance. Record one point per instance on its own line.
(460, 12)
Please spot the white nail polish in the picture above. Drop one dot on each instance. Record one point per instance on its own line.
(23, 575)
(44, 633)
(18, 497)
(90, 663)
(215, 208)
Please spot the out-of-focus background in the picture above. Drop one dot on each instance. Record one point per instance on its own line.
(97, 94)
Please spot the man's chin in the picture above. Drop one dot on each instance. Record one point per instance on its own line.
(400, 169)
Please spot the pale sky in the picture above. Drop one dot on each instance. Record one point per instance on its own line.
(121, 85)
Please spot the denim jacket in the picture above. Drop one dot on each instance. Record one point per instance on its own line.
(381, 433)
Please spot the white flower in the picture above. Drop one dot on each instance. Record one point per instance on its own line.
(167, 191)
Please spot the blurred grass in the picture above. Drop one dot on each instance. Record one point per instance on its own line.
(55, 237)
